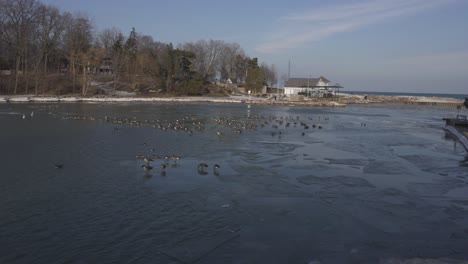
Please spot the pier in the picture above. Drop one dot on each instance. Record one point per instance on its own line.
(460, 121)
(458, 127)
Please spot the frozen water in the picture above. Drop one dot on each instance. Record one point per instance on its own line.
(391, 190)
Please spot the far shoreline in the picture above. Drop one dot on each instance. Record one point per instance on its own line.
(341, 101)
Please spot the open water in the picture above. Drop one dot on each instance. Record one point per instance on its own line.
(375, 183)
(453, 96)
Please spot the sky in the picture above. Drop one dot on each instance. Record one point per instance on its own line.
(416, 46)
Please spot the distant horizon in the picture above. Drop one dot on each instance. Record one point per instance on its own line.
(393, 92)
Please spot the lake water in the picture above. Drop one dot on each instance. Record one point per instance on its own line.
(374, 183)
(454, 96)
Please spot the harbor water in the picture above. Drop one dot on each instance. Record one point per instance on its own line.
(360, 184)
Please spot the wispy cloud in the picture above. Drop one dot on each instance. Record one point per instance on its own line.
(442, 63)
(323, 22)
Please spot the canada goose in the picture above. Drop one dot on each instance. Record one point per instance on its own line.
(147, 167)
(175, 158)
(58, 166)
(216, 169)
(147, 160)
(201, 168)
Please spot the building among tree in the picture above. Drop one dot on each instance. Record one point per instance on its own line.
(105, 66)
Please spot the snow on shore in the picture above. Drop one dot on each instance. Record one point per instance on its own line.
(344, 99)
(26, 99)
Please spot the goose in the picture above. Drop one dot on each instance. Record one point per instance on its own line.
(147, 167)
(201, 168)
(175, 158)
(216, 169)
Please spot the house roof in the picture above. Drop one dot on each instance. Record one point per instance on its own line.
(304, 82)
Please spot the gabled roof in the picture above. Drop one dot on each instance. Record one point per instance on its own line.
(304, 82)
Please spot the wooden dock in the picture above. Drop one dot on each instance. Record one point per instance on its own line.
(460, 121)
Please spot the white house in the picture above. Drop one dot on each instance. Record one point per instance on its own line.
(309, 86)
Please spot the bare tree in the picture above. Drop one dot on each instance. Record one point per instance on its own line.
(117, 57)
(113, 42)
(48, 32)
(240, 67)
(17, 18)
(77, 42)
(228, 59)
(208, 55)
(270, 74)
(107, 38)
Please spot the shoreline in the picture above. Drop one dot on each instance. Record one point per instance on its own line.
(342, 101)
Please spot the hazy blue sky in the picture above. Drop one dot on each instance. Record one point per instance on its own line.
(380, 45)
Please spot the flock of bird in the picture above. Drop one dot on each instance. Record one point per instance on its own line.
(190, 125)
(167, 158)
(224, 126)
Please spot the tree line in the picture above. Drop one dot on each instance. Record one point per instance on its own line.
(41, 47)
